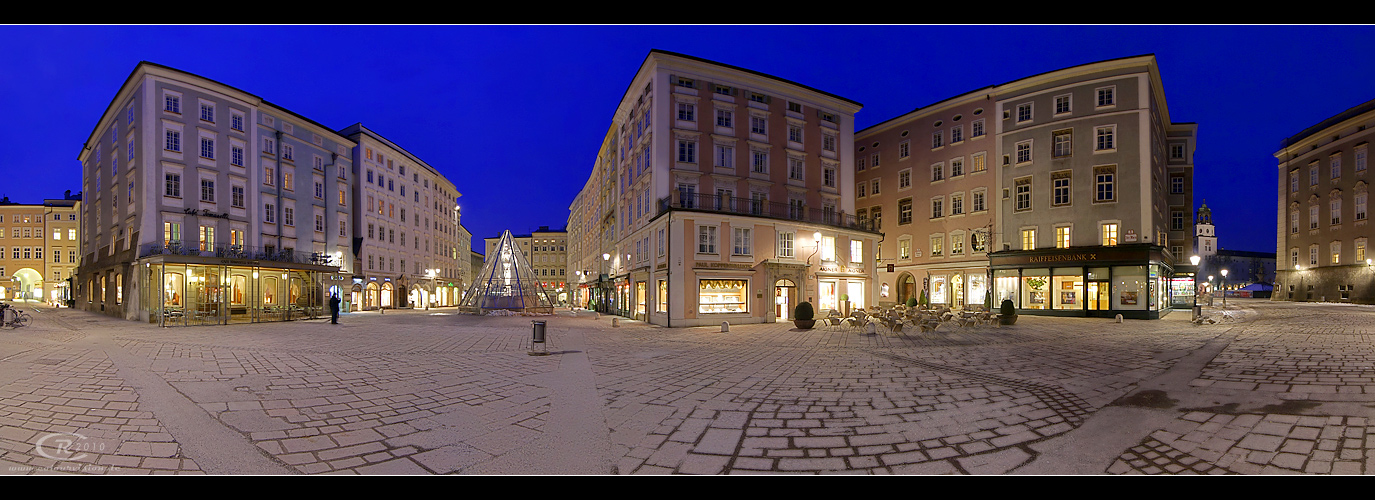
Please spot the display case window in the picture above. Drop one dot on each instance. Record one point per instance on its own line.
(663, 296)
(1036, 289)
(722, 296)
(1067, 289)
(939, 290)
(1006, 282)
(1129, 287)
(978, 288)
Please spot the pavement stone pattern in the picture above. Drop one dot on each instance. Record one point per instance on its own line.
(431, 392)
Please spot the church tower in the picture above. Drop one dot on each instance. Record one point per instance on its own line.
(1206, 241)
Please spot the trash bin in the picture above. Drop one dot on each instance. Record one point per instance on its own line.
(538, 333)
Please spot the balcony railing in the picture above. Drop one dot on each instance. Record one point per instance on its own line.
(238, 252)
(760, 208)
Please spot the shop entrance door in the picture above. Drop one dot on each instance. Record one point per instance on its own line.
(1097, 299)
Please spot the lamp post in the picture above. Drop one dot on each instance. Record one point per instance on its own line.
(606, 263)
(1194, 260)
(1210, 290)
(1224, 288)
(816, 238)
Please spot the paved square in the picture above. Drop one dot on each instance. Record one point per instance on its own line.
(1271, 388)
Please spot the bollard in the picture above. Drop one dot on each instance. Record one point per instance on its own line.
(615, 322)
(871, 329)
(537, 338)
(725, 327)
(1119, 318)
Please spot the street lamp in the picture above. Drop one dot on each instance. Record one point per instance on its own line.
(816, 238)
(432, 274)
(1195, 260)
(1224, 288)
(606, 263)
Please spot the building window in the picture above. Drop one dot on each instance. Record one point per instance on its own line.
(759, 161)
(938, 246)
(236, 121)
(1335, 162)
(956, 134)
(956, 167)
(1023, 193)
(1176, 220)
(207, 190)
(173, 185)
(722, 296)
(905, 248)
(724, 118)
(706, 239)
(1109, 234)
(1062, 104)
(795, 134)
(956, 204)
(1294, 181)
(1313, 255)
(1177, 184)
(1294, 222)
(208, 112)
(1313, 217)
(1062, 237)
(207, 148)
(1023, 152)
(1028, 239)
(171, 104)
(1060, 188)
(977, 201)
(936, 140)
(743, 244)
(785, 244)
(829, 176)
(905, 179)
(1360, 250)
(937, 172)
(904, 149)
(1335, 210)
(1313, 174)
(759, 125)
(1104, 183)
(828, 142)
(289, 216)
(686, 112)
(687, 152)
(1104, 137)
(1360, 206)
(173, 142)
(1360, 158)
(905, 211)
(937, 206)
(795, 168)
(1023, 112)
(977, 163)
(1336, 250)
(976, 128)
(1061, 147)
(1106, 96)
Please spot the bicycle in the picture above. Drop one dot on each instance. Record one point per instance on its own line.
(19, 318)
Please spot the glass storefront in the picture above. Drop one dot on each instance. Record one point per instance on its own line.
(722, 296)
(197, 294)
(939, 290)
(1082, 282)
(978, 288)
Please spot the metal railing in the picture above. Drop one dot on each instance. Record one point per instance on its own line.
(760, 208)
(238, 252)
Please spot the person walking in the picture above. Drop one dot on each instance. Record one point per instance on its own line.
(334, 309)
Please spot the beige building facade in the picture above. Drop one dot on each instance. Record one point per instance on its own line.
(1323, 235)
(39, 249)
(722, 194)
(409, 221)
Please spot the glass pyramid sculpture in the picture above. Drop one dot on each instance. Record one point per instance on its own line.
(506, 283)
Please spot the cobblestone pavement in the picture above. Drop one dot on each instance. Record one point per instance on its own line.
(1270, 388)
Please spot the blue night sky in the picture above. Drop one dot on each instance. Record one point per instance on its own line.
(477, 102)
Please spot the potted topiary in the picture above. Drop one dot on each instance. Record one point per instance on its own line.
(1008, 314)
(844, 304)
(802, 316)
(911, 302)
